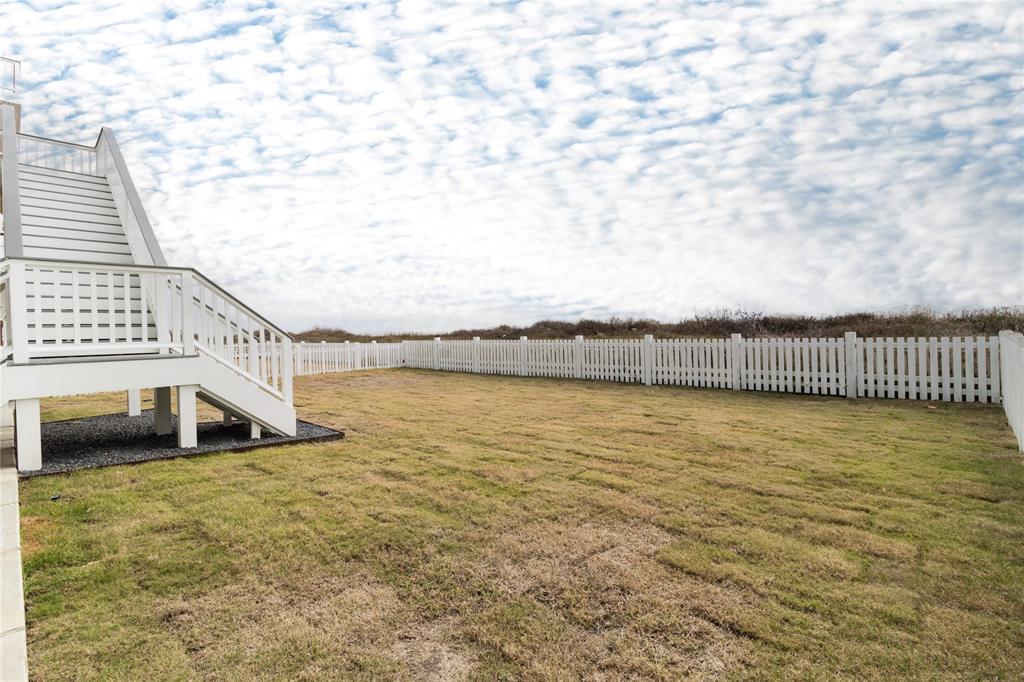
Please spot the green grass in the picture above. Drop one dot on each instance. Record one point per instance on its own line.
(474, 527)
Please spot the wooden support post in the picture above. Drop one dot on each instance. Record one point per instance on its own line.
(188, 436)
(437, 352)
(226, 419)
(736, 363)
(162, 410)
(476, 355)
(28, 444)
(134, 402)
(254, 430)
(852, 363)
(523, 366)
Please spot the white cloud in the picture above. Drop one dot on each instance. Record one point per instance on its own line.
(424, 166)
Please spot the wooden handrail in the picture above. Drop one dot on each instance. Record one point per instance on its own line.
(60, 143)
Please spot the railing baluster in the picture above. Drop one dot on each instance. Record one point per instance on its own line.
(203, 319)
(253, 357)
(126, 283)
(272, 358)
(187, 304)
(261, 345)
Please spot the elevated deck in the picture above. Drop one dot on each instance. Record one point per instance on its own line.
(88, 302)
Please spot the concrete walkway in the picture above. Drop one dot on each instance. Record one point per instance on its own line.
(13, 651)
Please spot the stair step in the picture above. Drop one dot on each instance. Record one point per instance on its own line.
(30, 193)
(34, 174)
(93, 191)
(30, 203)
(57, 218)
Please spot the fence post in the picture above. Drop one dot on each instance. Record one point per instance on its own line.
(736, 360)
(476, 355)
(852, 365)
(287, 369)
(522, 356)
(348, 356)
(437, 352)
(376, 354)
(401, 353)
(647, 358)
(1011, 385)
(1000, 376)
(577, 357)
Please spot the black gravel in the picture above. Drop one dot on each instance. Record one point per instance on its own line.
(113, 439)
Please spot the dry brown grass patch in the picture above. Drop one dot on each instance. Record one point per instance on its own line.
(345, 618)
(610, 600)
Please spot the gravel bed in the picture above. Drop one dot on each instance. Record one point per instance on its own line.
(113, 439)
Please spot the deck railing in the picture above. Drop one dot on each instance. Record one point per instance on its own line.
(62, 309)
(57, 155)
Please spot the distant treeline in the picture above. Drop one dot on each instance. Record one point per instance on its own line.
(913, 322)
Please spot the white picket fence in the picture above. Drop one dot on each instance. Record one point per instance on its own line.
(988, 369)
(958, 369)
(1011, 346)
(324, 358)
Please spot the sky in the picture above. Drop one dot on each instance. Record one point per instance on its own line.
(418, 166)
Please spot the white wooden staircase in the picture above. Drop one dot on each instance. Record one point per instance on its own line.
(89, 304)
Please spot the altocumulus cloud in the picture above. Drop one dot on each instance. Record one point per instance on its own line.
(426, 165)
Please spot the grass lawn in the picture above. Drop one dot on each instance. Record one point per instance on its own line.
(476, 527)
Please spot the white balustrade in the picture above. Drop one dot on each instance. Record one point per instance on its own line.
(57, 309)
(56, 155)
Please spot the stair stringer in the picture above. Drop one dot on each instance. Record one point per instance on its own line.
(228, 390)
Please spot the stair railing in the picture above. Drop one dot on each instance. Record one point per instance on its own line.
(238, 337)
(141, 238)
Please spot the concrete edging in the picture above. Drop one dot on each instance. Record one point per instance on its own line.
(13, 645)
(13, 648)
